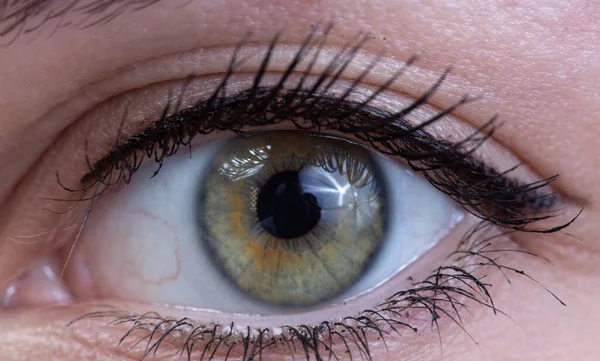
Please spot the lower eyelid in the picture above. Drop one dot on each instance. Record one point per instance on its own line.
(82, 288)
(85, 332)
(80, 340)
(113, 323)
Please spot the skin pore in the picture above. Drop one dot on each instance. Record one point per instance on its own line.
(535, 63)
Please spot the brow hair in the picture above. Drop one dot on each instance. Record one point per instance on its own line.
(24, 16)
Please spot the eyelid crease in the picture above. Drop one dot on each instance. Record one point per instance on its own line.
(443, 295)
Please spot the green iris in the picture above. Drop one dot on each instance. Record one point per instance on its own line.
(291, 218)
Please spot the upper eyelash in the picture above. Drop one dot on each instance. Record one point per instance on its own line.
(485, 192)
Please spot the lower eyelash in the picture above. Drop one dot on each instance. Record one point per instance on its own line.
(446, 293)
(504, 206)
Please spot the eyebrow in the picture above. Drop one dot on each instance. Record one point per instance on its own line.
(24, 16)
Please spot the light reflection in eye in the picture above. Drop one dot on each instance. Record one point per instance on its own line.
(237, 167)
(143, 242)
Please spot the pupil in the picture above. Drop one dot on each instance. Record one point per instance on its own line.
(284, 209)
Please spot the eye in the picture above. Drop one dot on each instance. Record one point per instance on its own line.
(290, 203)
(270, 220)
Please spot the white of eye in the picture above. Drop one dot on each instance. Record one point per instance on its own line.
(142, 242)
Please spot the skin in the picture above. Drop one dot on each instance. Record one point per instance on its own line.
(536, 63)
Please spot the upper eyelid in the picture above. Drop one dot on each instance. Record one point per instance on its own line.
(209, 60)
(96, 88)
(178, 66)
(104, 173)
(343, 59)
(376, 75)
